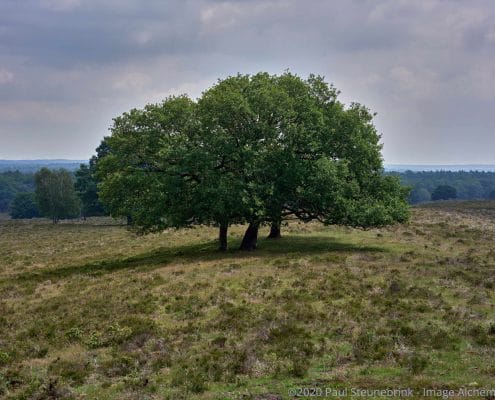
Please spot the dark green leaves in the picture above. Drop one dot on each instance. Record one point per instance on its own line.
(252, 149)
(55, 194)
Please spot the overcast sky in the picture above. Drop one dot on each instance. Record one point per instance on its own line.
(67, 67)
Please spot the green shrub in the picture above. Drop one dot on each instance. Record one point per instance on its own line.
(74, 334)
(94, 340)
(416, 362)
(74, 370)
(233, 317)
(190, 376)
(368, 346)
(24, 206)
(4, 358)
(118, 365)
(482, 333)
(291, 342)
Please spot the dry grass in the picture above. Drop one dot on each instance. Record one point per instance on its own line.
(88, 310)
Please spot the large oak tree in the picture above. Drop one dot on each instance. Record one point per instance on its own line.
(253, 149)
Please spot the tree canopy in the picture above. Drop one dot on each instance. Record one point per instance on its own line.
(11, 183)
(469, 185)
(253, 149)
(444, 192)
(86, 189)
(24, 206)
(55, 194)
(419, 195)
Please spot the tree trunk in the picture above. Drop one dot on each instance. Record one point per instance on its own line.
(250, 237)
(129, 220)
(275, 231)
(222, 237)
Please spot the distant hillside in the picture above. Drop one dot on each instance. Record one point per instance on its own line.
(29, 166)
(440, 167)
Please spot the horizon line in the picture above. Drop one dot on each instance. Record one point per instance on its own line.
(385, 163)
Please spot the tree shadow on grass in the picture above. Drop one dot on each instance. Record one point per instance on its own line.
(206, 251)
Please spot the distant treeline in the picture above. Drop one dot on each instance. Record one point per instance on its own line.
(54, 193)
(17, 176)
(431, 185)
(426, 186)
(11, 183)
(32, 166)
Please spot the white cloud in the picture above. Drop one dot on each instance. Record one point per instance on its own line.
(142, 37)
(409, 82)
(490, 35)
(60, 5)
(193, 89)
(478, 82)
(6, 76)
(41, 112)
(131, 81)
(225, 15)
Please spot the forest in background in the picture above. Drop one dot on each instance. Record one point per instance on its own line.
(32, 166)
(12, 183)
(468, 185)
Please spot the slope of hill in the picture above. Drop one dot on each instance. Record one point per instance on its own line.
(88, 310)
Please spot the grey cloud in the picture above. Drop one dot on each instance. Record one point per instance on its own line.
(94, 35)
(68, 66)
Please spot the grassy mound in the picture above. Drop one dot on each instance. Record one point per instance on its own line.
(88, 310)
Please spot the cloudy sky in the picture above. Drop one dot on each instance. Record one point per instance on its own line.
(67, 67)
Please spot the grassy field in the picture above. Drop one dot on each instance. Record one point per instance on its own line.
(90, 311)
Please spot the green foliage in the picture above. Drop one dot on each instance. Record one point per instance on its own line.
(139, 168)
(253, 149)
(24, 206)
(370, 346)
(86, 189)
(444, 192)
(12, 183)
(415, 362)
(74, 370)
(4, 358)
(469, 185)
(55, 194)
(419, 195)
